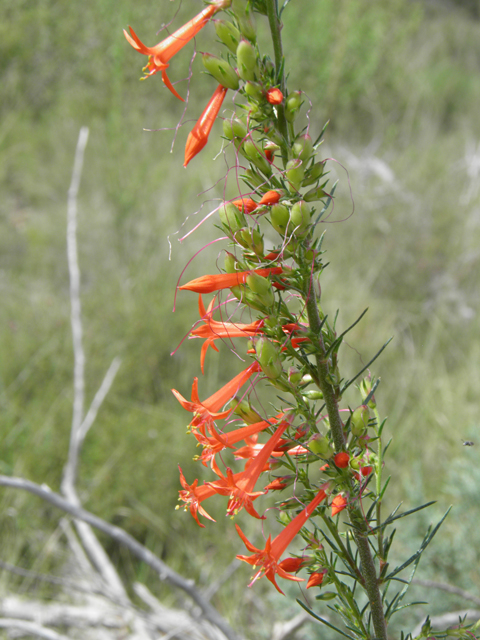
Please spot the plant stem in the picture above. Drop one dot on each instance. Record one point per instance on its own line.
(275, 30)
(360, 527)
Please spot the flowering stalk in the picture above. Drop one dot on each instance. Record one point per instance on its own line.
(270, 278)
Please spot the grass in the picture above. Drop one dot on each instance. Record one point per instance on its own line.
(401, 86)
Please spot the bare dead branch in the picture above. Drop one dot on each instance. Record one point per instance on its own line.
(431, 584)
(31, 629)
(142, 553)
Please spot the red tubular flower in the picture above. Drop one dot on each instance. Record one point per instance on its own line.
(161, 53)
(274, 96)
(342, 459)
(268, 558)
(192, 496)
(292, 565)
(271, 197)
(198, 136)
(214, 330)
(315, 579)
(211, 283)
(245, 205)
(338, 504)
(205, 412)
(240, 488)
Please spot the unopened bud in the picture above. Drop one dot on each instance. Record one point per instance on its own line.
(365, 389)
(253, 178)
(250, 239)
(292, 105)
(359, 420)
(247, 61)
(279, 217)
(230, 262)
(221, 71)
(254, 90)
(234, 129)
(258, 284)
(314, 173)
(303, 147)
(228, 34)
(231, 218)
(313, 394)
(321, 446)
(315, 194)
(294, 376)
(253, 153)
(300, 218)
(245, 410)
(268, 358)
(294, 174)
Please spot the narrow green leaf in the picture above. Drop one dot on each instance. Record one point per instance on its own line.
(325, 622)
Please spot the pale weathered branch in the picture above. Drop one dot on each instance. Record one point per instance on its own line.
(30, 629)
(142, 553)
(431, 584)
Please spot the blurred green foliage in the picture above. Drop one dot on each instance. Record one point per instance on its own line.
(400, 83)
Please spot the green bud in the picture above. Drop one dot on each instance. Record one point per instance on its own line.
(321, 446)
(279, 217)
(313, 394)
(231, 218)
(256, 157)
(268, 358)
(294, 376)
(244, 409)
(228, 34)
(300, 218)
(302, 147)
(292, 105)
(234, 129)
(294, 174)
(221, 71)
(365, 389)
(259, 301)
(254, 90)
(359, 420)
(315, 194)
(250, 239)
(247, 61)
(314, 173)
(230, 262)
(258, 284)
(253, 178)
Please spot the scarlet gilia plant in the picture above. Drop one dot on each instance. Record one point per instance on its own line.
(310, 440)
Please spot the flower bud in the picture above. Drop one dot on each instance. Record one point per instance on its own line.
(313, 394)
(231, 218)
(300, 218)
(315, 194)
(292, 105)
(365, 388)
(228, 34)
(245, 410)
(314, 173)
(247, 61)
(258, 284)
(268, 358)
(342, 459)
(254, 90)
(253, 153)
(259, 301)
(279, 217)
(274, 96)
(230, 262)
(321, 446)
(253, 178)
(294, 376)
(359, 420)
(234, 129)
(303, 147)
(221, 71)
(250, 239)
(294, 174)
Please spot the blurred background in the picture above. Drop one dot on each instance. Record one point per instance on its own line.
(400, 83)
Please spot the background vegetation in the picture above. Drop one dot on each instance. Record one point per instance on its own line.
(400, 83)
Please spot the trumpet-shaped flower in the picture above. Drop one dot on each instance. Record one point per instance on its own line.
(204, 413)
(161, 53)
(240, 488)
(215, 330)
(198, 136)
(216, 282)
(269, 558)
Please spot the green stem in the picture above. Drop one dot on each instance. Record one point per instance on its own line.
(360, 528)
(275, 30)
